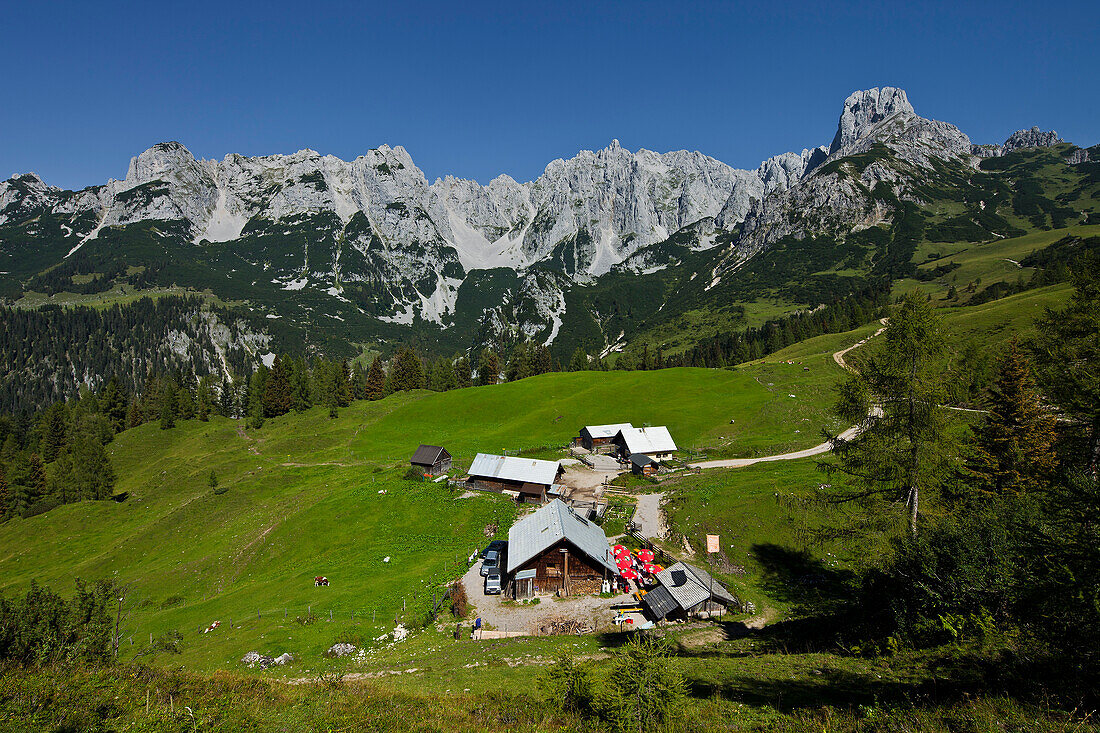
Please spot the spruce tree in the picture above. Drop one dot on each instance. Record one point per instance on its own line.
(276, 396)
(54, 430)
(358, 382)
(579, 361)
(463, 377)
(376, 380)
(488, 368)
(342, 386)
(1067, 362)
(1014, 446)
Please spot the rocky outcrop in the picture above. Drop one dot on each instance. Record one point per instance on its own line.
(1033, 138)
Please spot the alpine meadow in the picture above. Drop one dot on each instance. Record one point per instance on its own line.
(646, 443)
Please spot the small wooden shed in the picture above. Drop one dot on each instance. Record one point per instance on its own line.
(433, 460)
(643, 465)
(530, 479)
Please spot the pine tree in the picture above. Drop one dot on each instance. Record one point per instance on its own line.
(300, 397)
(257, 384)
(343, 383)
(276, 396)
(1014, 447)
(53, 435)
(93, 476)
(1067, 362)
(463, 376)
(358, 382)
(36, 478)
(376, 380)
(488, 368)
(59, 478)
(133, 415)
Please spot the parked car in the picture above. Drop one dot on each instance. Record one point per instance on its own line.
(492, 583)
(491, 562)
(497, 545)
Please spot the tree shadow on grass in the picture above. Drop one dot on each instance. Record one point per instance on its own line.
(802, 580)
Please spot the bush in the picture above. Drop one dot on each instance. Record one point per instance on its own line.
(460, 604)
(643, 691)
(41, 507)
(414, 474)
(568, 686)
(171, 601)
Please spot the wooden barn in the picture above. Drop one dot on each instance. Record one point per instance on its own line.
(433, 460)
(554, 550)
(593, 437)
(657, 442)
(685, 590)
(643, 465)
(531, 479)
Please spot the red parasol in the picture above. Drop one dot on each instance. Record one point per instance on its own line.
(629, 574)
(649, 567)
(623, 564)
(618, 550)
(646, 555)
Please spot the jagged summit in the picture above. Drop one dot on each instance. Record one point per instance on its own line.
(864, 109)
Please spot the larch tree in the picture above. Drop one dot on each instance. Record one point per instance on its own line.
(904, 443)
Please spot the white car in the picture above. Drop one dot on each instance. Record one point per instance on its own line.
(492, 583)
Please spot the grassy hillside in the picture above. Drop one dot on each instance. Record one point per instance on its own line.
(301, 497)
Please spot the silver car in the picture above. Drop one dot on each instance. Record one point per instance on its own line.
(491, 562)
(492, 583)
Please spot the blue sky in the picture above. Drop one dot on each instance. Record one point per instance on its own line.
(477, 89)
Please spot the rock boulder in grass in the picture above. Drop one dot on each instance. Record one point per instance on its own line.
(251, 658)
(341, 649)
(284, 658)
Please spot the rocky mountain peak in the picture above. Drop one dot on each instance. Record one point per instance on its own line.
(1033, 138)
(863, 110)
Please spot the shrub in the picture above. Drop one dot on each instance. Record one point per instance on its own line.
(460, 604)
(171, 601)
(643, 691)
(414, 474)
(568, 685)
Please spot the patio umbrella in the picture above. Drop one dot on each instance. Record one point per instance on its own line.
(618, 550)
(649, 567)
(630, 574)
(623, 564)
(646, 555)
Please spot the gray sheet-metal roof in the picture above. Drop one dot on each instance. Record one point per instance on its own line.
(690, 586)
(510, 468)
(427, 455)
(648, 440)
(718, 590)
(641, 459)
(548, 525)
(606, 431)
(660, 602)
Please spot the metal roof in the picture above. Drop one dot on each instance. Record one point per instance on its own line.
(648, 440)
(641, 459)
(527, 470)
(548, 525)
(660, 602)
(690, 586)
(428, 455)
(606, 431)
